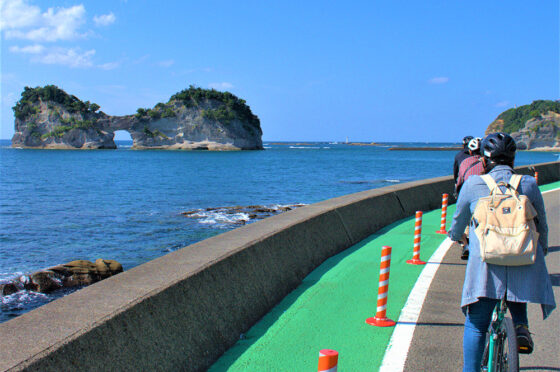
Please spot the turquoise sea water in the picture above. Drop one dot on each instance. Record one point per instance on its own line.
(57, 206)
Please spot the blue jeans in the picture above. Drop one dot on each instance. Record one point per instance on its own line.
(479, 316)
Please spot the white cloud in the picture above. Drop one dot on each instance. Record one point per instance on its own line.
(71, 57)
(104, 20)
(30, 49)
(502, 104)
(17, 14)
(167, 63)
(21, 20)
(109, 65)
(438, 80)
(221, 86)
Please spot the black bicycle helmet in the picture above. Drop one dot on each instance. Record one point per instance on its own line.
(466, 140)
(498, 146)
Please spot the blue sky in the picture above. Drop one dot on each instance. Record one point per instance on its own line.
(310, 70)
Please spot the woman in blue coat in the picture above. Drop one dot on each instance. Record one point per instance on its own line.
(485, 284)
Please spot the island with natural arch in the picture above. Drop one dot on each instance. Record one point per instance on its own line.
(193, 119)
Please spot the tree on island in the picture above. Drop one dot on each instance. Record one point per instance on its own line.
(26, 106)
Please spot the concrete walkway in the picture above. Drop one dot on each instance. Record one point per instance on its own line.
(330, 307)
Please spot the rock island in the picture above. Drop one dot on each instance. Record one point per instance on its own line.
(193, 119)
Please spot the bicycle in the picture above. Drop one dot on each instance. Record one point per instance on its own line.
(501, 352)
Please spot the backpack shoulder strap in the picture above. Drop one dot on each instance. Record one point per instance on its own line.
(489, 181)
(515, 180)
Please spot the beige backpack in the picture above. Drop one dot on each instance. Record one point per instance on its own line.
(505, 226)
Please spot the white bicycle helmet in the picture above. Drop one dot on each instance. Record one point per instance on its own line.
(474, 144)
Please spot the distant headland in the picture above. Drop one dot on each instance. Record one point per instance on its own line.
(193, 119)
(533, 127)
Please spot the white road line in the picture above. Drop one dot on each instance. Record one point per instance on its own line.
(397, 349)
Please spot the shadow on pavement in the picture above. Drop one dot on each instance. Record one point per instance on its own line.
(555, 248)
(555, 279)
(452, 264)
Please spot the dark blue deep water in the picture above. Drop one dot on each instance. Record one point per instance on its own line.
(57, 206)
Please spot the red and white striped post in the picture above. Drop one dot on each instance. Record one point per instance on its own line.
(417, 238)
(380, 319)
(328, 360)
(537, 177)
(443, 214)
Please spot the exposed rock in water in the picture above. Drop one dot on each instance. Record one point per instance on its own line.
(72, 274)
(7, 289)
(238, 215)
(193, 119)
(534, 126)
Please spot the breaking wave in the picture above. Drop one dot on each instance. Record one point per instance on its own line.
(224, 217)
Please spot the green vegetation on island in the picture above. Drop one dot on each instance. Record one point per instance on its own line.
(28, 107)
(233, 107)
(514, 119)
(230, 107)
(154, 133)
(30, 97)
(60, 130)
(161, 110)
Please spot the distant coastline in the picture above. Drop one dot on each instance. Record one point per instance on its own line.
(7, 142)
(363, 144)
(546, 148)
(291, 143)
(315, 143)
(536, 149)
(425, 148)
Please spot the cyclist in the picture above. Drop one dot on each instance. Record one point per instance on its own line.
(460, 156)
(485, 284)
(470, 166)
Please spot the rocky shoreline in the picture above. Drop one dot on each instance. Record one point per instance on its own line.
(239, 215)
(72, 274)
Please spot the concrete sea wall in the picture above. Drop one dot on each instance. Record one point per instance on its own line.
(183, 310)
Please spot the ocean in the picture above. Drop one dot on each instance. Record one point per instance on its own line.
(133, 206)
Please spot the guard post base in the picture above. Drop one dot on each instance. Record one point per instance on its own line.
(380, 322)
(415, 262)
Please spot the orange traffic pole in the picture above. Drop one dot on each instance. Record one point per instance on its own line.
(537, 177)
(380, 319)
(417, 238)
(328, 360)
(443, 214)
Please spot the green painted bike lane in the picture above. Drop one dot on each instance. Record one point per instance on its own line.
(328, 310)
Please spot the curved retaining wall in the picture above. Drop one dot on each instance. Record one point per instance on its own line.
(183, 310)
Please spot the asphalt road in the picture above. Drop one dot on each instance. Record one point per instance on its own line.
(438, 336)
